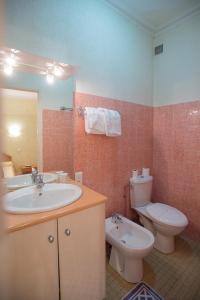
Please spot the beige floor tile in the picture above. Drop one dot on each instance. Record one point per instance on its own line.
(174, 276)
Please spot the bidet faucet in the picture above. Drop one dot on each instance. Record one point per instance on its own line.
(116, 218)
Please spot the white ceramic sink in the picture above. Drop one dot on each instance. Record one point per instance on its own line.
(20, 181)
(27, 200)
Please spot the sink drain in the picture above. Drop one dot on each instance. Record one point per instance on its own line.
(123, 241)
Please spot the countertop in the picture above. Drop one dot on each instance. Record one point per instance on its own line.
(88, 199)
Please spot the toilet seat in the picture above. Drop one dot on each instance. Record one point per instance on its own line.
(166, 214)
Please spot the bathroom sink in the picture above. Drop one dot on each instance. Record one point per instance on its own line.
(32, 200)
(20, 181)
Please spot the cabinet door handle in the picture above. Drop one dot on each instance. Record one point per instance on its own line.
(67, 232)
(50, 238)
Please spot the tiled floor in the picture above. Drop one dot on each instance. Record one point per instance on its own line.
(175, 276)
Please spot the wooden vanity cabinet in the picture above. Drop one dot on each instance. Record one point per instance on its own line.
(33, 263)
(64, 258)
(82, 254)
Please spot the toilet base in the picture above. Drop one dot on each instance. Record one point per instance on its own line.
(130, 268)
(163, 243)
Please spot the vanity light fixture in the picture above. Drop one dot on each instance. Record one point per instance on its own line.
(12, 59)
(50, 78)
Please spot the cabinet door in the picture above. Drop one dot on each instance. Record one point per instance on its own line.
(81, 238)
(33, 263)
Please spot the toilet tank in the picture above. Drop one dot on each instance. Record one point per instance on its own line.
(140, 190)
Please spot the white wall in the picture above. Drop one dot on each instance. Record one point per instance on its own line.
(177, 70)
(114, 55)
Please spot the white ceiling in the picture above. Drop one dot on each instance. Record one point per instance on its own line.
(156, 14)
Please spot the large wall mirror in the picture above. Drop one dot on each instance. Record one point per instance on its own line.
(37, 103)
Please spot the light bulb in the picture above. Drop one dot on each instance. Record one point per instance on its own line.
(50, 78)
(8, 70)
(10, 60)
(58, 71)
(14, 130)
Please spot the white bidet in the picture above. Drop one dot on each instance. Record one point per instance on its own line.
(130, 244)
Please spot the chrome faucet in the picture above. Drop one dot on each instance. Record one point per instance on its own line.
(34, 175)
(39, 181)
(116, 218)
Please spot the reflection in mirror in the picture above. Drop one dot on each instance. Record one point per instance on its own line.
(38, 116)
(20, 140)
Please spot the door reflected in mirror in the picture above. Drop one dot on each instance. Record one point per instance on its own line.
(20, 132)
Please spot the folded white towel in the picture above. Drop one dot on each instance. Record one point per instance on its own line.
(102, 121)
(112, 121)
(94, 120)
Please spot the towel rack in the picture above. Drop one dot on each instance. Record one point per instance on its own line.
(81, 111)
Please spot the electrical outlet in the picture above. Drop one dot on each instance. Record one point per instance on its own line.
(79, 176)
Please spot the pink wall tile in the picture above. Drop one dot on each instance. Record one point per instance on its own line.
(106, 161)
(176, 160)
(166, 138)
(58, 141)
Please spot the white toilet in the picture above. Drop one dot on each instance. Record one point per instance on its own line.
(162, 220)
(130, 244)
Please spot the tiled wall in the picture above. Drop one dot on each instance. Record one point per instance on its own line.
(58, 141)
(170, 138)
(176, 160)
(107, 161)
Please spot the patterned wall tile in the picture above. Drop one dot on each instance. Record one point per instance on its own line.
(167, 138)
(176, 160)
(106, 161)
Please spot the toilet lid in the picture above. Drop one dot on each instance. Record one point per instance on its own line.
(166, 214)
